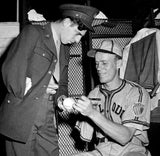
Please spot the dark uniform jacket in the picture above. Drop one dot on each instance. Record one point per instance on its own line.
(33, 55)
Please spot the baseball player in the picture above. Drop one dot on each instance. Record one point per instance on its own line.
(121, 113)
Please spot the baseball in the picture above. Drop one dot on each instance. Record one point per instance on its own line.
(68, 103)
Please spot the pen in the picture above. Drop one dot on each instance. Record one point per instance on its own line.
(95, 99)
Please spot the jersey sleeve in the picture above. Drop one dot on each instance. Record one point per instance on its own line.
(137, 109)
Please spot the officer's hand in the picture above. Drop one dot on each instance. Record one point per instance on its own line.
(52, 89)
(60, 102)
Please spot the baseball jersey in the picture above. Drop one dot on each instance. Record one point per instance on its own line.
(128, 105)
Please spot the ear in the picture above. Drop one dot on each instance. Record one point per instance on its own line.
(67, 22)
(119, 63)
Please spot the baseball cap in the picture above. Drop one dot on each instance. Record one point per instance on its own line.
(107, 46)
(86, 14)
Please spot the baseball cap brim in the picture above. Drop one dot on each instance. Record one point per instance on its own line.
(92, 52)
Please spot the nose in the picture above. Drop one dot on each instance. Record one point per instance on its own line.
(98, 66)
(77, 39)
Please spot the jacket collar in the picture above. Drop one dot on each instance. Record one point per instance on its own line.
(48, 38)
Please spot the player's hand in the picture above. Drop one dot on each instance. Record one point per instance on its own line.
(84, 106)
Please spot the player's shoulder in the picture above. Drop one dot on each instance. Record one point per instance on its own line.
(29, 29)
(135, 87)
(95, 90)
(35, 27)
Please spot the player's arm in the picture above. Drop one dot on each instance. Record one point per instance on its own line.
(118, 132)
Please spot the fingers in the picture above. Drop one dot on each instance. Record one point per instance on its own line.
(83, 105)
(77, 108)
(84, 98)
(51, 91)
(60, 102)
(60, 105)
(55, 86)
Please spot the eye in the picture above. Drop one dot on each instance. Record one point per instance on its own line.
(81, 27)
(105, 63)
(101, 63)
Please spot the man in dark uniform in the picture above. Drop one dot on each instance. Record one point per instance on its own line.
(35, 75)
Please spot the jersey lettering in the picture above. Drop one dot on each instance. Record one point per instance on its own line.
(117, 109)
(100, 109)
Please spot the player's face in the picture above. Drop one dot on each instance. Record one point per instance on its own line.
(106, 65)
(71, 33)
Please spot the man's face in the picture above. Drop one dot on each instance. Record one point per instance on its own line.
(71, 33)
(106, 65)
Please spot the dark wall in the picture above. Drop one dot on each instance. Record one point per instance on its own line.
(8, 11)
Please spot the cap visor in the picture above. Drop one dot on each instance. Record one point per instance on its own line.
(89, 27)
(91, 53)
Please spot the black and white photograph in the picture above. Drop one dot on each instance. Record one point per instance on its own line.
(79, 78)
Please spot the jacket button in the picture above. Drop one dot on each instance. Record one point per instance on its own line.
(43, 54)
(36, 98)
(8, 101)
(55, 61)
(50, 72)
(47, 35)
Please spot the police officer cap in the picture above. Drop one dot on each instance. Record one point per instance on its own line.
(86, 14)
